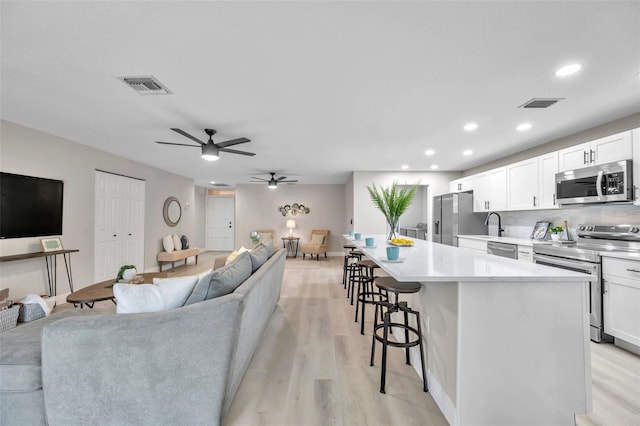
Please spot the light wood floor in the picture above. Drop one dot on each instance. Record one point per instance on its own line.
(312, 365)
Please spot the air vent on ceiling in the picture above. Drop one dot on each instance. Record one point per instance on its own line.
(220, 184)
(540, 102)
(146, 85)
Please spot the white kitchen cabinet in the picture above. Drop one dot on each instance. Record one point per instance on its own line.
(612, 148)
(522, 185)
(462, 184)
(635, 143)
(547, 169)
(622, 299)
(490, 190)
(525, 253)
(473, 244)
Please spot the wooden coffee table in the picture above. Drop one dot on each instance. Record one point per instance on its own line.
(103, 291)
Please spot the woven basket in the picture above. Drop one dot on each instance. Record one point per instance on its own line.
(9, 317)
(30, 312)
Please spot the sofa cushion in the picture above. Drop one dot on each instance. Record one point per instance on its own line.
(270, 247)
(235, 254)
(177, 244)
(20, 352)
(200, 290)
(259, 254)
(164, 294)
(167, 243)
(226, 279)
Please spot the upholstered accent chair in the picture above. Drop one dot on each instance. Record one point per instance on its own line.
(318, 243)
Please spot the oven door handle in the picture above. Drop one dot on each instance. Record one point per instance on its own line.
(576, 265)
(599, 183)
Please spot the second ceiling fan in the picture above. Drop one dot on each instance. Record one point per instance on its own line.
(211, 150)
(273, 182)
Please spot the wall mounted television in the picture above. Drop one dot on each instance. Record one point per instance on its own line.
(30, 206)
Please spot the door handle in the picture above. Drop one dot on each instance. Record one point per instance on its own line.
(599, 183)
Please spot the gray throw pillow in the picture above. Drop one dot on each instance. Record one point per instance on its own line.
(259, 254)
(226, 279)
(200, 290)
(270, 247)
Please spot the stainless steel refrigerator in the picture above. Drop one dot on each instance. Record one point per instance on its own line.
(453, 215)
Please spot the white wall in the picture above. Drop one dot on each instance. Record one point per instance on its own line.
(368, 219)
(30, 152)
(257, 208)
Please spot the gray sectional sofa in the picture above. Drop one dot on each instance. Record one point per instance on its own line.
(181, 366)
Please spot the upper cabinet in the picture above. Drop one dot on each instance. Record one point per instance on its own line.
(612, 148)
(531, 183)
(635, 139)
(462, 184)
(547, 169)
(490, 190)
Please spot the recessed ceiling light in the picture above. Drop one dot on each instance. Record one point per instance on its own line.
(568, 70)
(213, 182)
(429, 152)
(404, 166)
(469, 127)
(523, 126)
(467, 152)
(434, 166)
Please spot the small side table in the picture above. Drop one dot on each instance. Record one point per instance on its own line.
(291, 244)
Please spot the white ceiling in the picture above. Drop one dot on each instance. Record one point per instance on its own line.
(321, 88)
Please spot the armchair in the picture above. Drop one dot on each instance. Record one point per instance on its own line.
(318, 244)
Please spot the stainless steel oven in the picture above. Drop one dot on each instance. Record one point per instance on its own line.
(595, 287)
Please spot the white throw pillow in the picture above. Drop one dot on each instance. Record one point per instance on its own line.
(235, 254)
(177, 244)
(164, 294)
(167, 243)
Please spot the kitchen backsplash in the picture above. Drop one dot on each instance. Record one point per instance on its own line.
(520, 224)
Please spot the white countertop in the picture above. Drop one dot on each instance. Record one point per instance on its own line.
(508, 240)
(428, 261)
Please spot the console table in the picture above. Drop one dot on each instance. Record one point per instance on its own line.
(50, 259)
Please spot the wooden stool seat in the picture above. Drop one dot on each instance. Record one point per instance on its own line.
(368, 263)
(395, 286)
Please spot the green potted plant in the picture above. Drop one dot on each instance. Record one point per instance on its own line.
(556, 232)
(392, 202)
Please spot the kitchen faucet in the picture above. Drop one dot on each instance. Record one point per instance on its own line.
(500, 230)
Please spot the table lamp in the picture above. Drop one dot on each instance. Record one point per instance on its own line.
(291, 224)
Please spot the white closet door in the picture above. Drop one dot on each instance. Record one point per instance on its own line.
(119, 224)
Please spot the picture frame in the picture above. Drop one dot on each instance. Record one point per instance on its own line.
(51, 244)
(540, 230)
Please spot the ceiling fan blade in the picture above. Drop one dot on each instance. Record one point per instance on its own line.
(234, 151)
(260, 179)
(232, 142)
(178, 144)
(187, 135)
(281, 178)
(288, 181)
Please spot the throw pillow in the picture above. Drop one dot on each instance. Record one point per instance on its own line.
(234, 255)
(270, 247)
(167, 243)
(317, 239)
(177, 244)
(185, 242)
(259, 255)
(226, 279)
(164, 294)
(200, 290)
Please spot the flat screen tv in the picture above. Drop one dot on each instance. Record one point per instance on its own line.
(30, 206)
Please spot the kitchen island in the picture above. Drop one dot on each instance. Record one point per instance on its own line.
(507, 342)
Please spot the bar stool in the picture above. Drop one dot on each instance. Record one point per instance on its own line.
(347, 258)
(392, 285)
(351, 259)
(365, 294)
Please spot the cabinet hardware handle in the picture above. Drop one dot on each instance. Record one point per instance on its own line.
(534, 201)
(129, 234)
(554, 199)
(592, 155)
(633, 270)
(114, 235)
(584, 157)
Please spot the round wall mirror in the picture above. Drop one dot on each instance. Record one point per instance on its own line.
(172, 211)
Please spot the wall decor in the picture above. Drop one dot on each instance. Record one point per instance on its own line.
(294, 209)
(51, 244)
(172, 211)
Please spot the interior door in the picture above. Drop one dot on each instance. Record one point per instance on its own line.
(107, 225)
(220, 223)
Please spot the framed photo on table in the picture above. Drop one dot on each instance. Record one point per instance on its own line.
(51, 244)
(540, 230)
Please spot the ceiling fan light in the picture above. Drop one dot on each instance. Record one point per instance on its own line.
(210, 152)
(273, 185)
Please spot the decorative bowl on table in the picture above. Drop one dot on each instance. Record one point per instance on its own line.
(401, 242)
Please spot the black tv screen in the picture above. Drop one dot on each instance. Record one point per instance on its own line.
(30, 206)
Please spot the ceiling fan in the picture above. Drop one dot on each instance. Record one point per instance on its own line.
(211, 150)
(273, 182)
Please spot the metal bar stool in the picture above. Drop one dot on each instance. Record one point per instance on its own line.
(347, 257)
(392, 285)
(353, 271)
(365, 294)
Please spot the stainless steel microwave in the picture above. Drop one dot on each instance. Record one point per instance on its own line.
(605, 183)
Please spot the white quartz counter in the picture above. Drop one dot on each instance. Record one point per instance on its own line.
(427, 261)
(507, 240)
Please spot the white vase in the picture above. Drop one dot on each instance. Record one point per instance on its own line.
(127, 274)
(555, 237)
